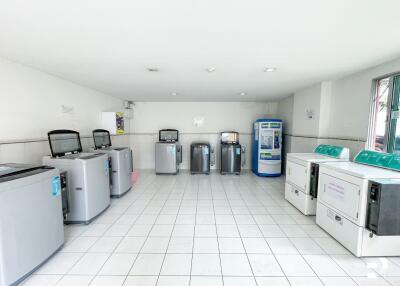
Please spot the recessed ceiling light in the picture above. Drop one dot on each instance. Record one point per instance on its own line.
(270, 69)
(152, 69)
(174, 93)
(242, 93)
(210, 69)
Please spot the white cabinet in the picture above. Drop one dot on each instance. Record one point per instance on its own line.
(113, 122)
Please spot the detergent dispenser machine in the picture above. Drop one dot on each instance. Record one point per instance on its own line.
(231, 153)
(302, 171)
(267, 147)
(120, 159)
(168, 152)
(88, 175)
(31, 219)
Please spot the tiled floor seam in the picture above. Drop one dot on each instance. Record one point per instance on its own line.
(130, 269)
(240, 235)
(169, 241)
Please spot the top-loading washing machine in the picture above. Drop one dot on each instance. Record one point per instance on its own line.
(88, 175)
(31, 219)
(359, 203)
(231, 153)
(121, 162)
(200, 158)
(302, 169)
(168, 152)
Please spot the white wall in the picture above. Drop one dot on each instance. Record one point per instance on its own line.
(285, 112)
(31, 105)
(351, 99)
(149, 117)
(308, 99)
(341, 111)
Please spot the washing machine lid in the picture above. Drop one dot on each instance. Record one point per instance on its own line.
(312, 157)
(360, 170)
(11, 171)
(63, 142)
(168, 135)
(229, 137)
(102, 138)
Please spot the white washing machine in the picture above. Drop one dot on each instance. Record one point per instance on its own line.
(121, 162)
(31, 219)
(88, 176)
(348, 203)
(301, 187)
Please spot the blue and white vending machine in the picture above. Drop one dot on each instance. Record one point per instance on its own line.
(267, 147)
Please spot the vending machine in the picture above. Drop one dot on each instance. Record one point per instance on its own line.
(267, 147)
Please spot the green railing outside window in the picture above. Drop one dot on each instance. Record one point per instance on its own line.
(394, 126)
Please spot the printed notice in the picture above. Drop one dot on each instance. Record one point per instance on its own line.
(335, 191)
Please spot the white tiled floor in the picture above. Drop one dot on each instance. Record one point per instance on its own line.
(207, 230)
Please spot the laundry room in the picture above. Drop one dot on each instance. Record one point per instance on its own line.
(190, 143)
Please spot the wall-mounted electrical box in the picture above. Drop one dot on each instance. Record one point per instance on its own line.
(113, 122)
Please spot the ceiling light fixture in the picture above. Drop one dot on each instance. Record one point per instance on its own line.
(242, 93)
(152, 69)
(270, 69)
(210, 69)
(174, 93)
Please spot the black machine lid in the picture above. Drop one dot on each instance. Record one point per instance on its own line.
(168, 135)
(64, 142)
(11, 171)
(102, 138)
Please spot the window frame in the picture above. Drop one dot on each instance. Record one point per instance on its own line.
(389, 128)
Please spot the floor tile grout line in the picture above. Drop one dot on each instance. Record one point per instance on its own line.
(272, 253)
(301, 258)
(126, 236)
(144, 242)
(76, 262)
(166, 250)
(194, 230)
(215, 221)
(240, 235)
(83, 253)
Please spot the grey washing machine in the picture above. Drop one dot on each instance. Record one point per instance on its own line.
(120, 159)
(88, 176)
(231, 153)
(168, 152)
(31, 219)
(200, 158)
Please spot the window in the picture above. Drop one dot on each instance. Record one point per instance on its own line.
(384, 134)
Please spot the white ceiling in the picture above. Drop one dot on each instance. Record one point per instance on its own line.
(107, 45)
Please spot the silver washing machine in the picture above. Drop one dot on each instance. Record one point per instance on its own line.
(168, 152)
(200, 158)
(31, 219)
(88, 176)
(121, 162)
